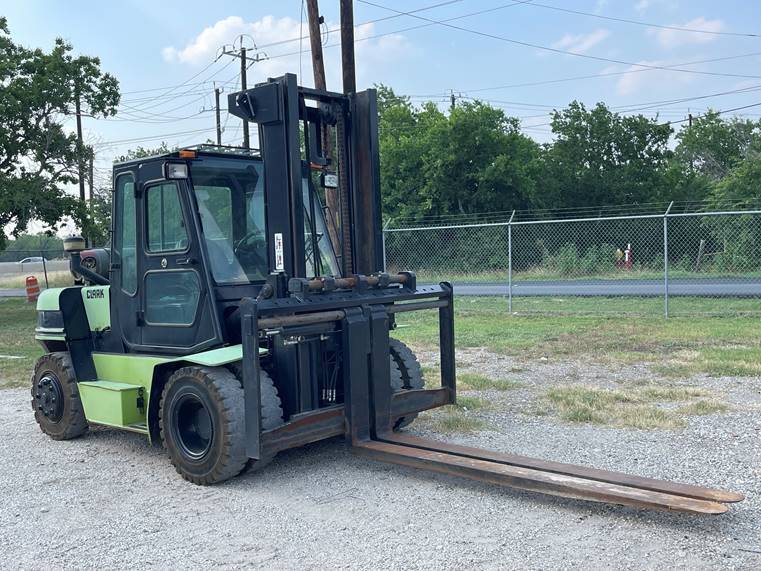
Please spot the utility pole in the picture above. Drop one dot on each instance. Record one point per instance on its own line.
(347, 46)
(91, 176)
(217, 91)
(452, 100)
(80, 144)
(318, 69)
(243, 87)
(245, 61)
(315, 41)
(689, 119)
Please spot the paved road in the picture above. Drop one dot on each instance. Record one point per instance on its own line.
(727, 287)
(12, 292)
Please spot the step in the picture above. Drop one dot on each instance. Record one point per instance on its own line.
(114, 403)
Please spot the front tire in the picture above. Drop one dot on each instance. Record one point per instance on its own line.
(202, 423)
(55, 397)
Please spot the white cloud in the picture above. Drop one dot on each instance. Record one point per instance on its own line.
(581, 43)
(370, 53)
(643, 6)
(600, 5)
(673, 38)
(646, 80)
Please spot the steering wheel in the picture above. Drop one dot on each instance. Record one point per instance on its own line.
(251, 257)
(244, 241)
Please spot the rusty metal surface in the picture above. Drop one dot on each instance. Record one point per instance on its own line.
(305, 429)
(649, 484)
(412, 401)
(535, 480)
(302, 319)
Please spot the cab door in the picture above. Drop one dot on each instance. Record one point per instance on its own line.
(176, 310)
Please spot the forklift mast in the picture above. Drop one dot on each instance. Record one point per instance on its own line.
(290, 117)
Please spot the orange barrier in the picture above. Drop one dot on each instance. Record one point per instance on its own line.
(32, 289)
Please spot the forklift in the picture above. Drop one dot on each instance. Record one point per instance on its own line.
(235, 316)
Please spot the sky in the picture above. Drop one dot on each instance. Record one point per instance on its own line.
(527, 57)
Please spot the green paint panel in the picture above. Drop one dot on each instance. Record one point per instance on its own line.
(49, 337)
(97, 303)
(217, 357)
(48, 300)
(130, 369)
(113, 403)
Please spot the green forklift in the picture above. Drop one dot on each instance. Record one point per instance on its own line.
(236, 316)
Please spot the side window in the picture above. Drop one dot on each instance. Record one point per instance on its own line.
(165, 225)
(126, 235)
(171, 298)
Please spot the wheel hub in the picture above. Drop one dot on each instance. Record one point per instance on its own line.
(193, 427)
(48, 397)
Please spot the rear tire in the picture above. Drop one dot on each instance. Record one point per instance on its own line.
(55, 397)
(406, 374)
(202, 423)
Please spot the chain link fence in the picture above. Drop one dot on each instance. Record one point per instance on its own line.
(50, 267)
(669, 263)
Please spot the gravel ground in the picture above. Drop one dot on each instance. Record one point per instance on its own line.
(110, 501)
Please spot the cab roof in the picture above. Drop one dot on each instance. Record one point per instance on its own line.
(203, 150)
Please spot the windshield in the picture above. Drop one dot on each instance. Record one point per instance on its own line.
(325, 264)
(231, 204)
(230, 196)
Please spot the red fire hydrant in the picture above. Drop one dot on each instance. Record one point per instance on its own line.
(628, 257)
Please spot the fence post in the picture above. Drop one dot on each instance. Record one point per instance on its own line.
(383, 241)
(44, 269)
(666, 261)
(510, 263)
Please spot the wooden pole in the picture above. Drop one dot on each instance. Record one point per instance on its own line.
(217, 91)
(347, 46)
(80, 146)
(246, 141)
(318, 68)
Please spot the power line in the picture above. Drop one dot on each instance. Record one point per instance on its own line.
(411, 28)
(647, 24)
(592, 76)
(558, 50)
(375, 21)
(720, 112)
(152, 137)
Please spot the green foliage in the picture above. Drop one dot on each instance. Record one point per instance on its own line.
(38, 157)
(601, 158)
(475, 159)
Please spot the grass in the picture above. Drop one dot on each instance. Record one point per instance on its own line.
(546, 274)
(18, 349)
(637, 408)
(56, 278)
(457, 418)
(679, 346)
(703, 407)
(477, 382)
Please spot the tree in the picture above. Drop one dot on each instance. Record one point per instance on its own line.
(38, 156)
(712, 146)
(601, 158)
(475, 159)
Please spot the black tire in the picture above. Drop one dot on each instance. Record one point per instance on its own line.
(202, 424)
(272, 409)
(406, 374)
(55, 397)
(272, 406)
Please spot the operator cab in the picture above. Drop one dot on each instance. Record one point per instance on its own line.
(191, 240)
